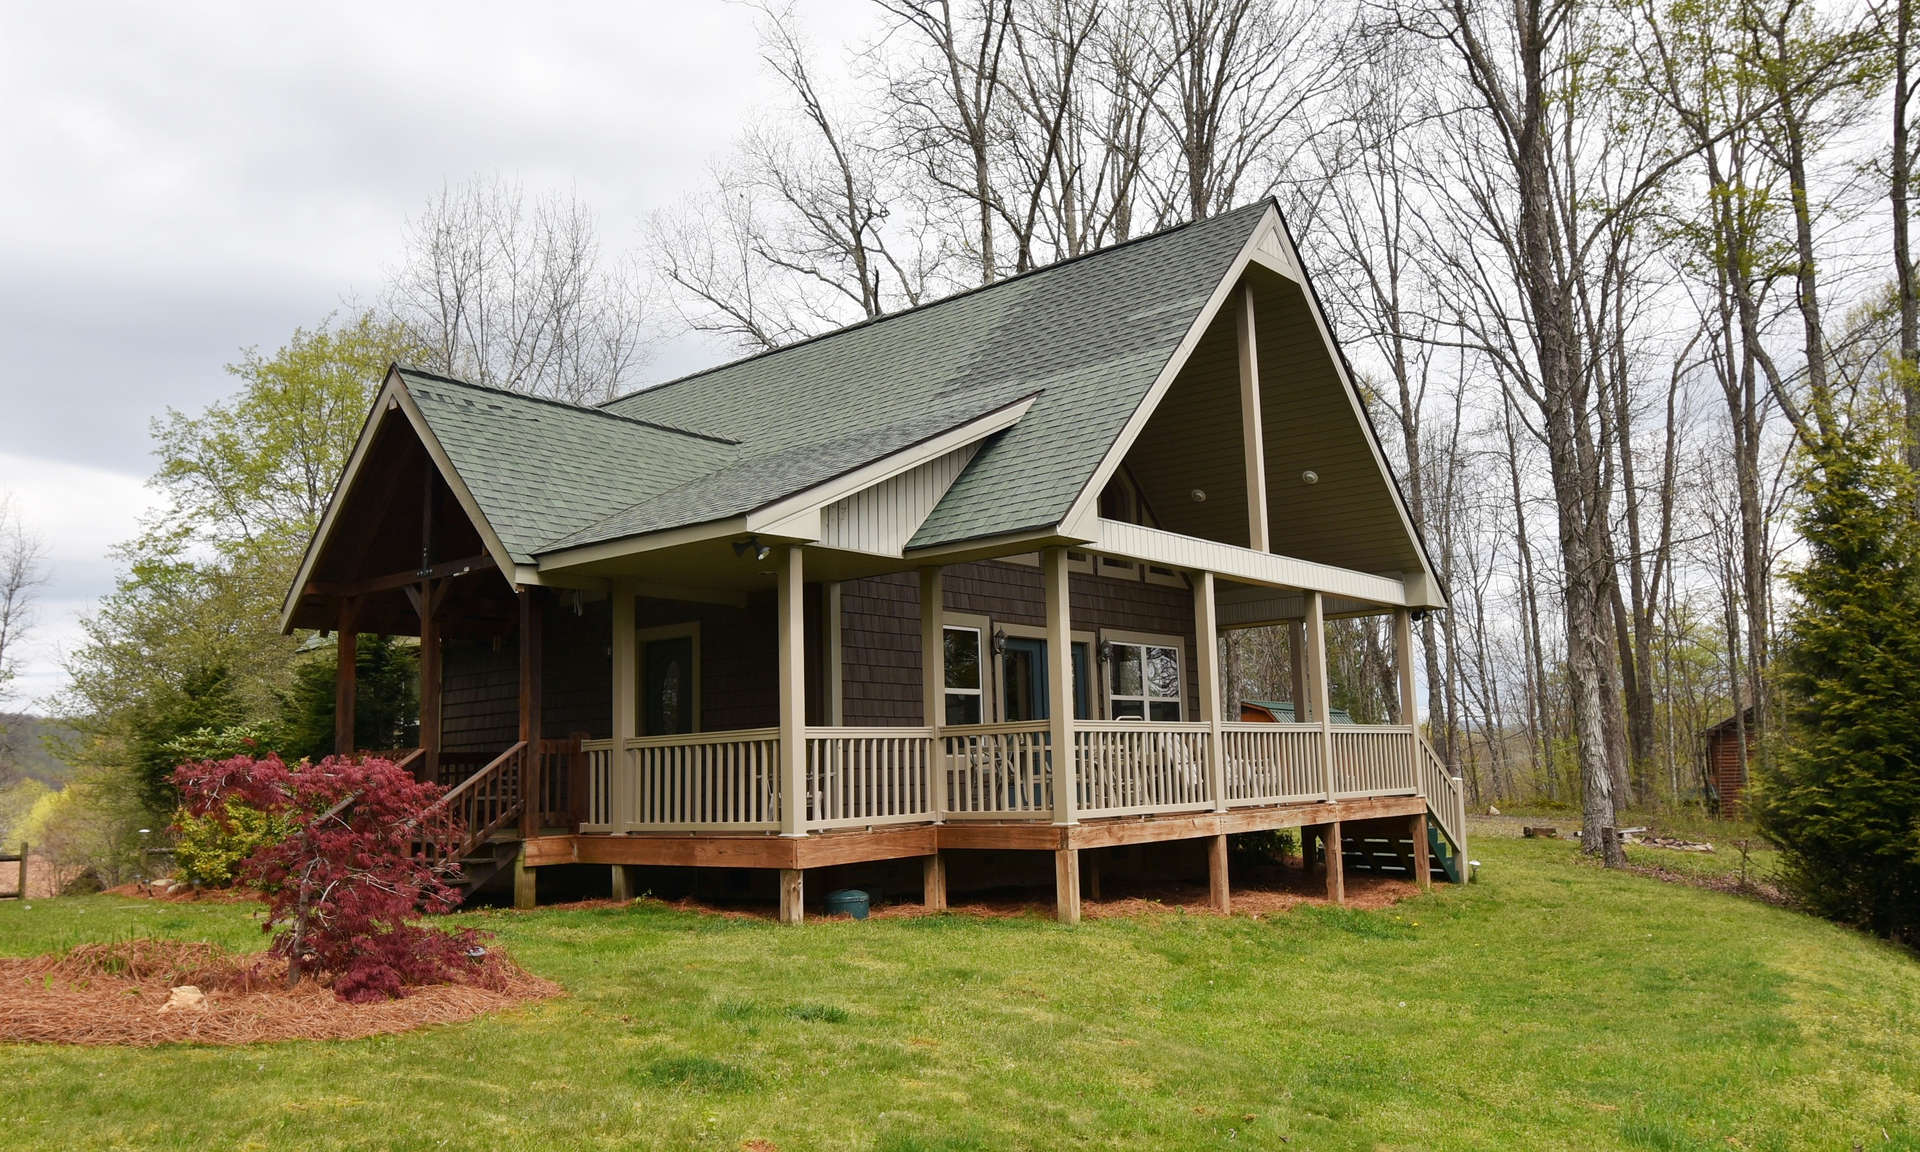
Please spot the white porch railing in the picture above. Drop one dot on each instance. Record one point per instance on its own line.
(1272, 764)
(1127, 769)
(1372, 760)
(997, 771)
(863, 776)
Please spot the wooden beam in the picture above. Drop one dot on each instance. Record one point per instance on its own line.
(1252, 441)
(792, 895)
(1066, 885)
(1053, 575)
(1297, 665)
(1336, 864)
(427, 604)
(1422, 862)
(345, 676)
(791, 584)
(392, 580)
(525, 891)
(623, 885)
(933, 882)
(933, 649)
(1217, 893)
(626, 702)
(532, 788)
(1409, 703)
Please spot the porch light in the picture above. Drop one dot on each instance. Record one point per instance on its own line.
(1104, 650)
(753, 547)
(999, 641)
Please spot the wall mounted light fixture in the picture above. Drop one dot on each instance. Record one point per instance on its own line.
(752, 546)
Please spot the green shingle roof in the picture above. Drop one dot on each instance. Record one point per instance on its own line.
(1087, 337)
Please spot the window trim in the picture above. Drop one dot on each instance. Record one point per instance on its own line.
(982, 627)
(1118, 637)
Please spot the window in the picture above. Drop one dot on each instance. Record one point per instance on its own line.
(1145, 681)
(964, 687)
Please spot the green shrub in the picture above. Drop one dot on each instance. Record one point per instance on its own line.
(208, 851)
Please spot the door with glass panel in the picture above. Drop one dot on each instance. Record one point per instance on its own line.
(1024, 683)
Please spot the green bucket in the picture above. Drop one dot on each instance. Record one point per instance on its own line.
(848, 901)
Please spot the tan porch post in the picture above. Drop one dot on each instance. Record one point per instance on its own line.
(345, 676)
(1066, 871)
(1206, 638)
(626, 722)
(933, 703)
(1409, 702)
(1297, 664)
(1316, 626)
(790, 585)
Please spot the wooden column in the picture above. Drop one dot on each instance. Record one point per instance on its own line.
(1206, 637)
(626, 705)
(1053, 574)
(523, 880)
(1252, 442)
(1409, 702)
(1066, 885)
(622, 882)
(426, 598)
(933, 882)
(532, 787)
(345, 676)
(792, 895)
(1422, 864)
(1297, 663)
(1217, 892)
(1336, 864)
(933, 685)
(1317, 691)
(790, 581)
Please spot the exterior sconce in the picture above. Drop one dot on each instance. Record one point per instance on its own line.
(1104, 651)
(999, 641)
(752, 546)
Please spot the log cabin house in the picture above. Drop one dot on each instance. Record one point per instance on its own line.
(948, 581)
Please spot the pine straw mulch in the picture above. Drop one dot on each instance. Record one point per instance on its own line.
(100, 994)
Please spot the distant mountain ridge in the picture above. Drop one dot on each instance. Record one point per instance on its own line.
(24, 752)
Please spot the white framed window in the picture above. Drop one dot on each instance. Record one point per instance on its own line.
(963, 652)
(1146, 677)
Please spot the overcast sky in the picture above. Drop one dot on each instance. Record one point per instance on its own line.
(186, 181)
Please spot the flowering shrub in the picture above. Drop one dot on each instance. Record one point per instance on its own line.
(208, 850)
(366, 853)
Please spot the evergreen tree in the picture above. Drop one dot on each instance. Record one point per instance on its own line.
(386, 711)
(1843, 798)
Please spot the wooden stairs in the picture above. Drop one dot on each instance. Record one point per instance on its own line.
(1389, 852)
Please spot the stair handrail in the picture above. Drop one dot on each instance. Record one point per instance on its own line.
(471, 794)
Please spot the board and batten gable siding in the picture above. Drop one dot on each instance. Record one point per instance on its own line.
(881, 519)
(880, 627)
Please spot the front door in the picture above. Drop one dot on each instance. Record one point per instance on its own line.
(1023, 680)
(666, 686)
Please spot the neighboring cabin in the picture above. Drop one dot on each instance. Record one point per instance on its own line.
(1728, 749)
(947, 586)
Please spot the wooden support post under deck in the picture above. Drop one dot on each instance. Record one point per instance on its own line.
(792, 895)
(790, 581)
(1206, 636)
(1336, 864)
(523, 879)
(933, 882)
(1316, 626)
(1252, 441)
(532, 788)
(1217, 891)
(622, 882)
(1053, 575)
(1422, 864)
(1066, 885)
(626, 704)
(345, 676)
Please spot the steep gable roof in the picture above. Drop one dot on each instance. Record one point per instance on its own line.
(1090, 335)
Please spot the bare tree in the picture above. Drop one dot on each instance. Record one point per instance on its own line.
(22, 572)
(512, 292)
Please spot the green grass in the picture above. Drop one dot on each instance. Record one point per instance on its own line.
(1552, 1005)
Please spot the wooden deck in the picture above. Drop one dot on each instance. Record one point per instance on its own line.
(854, 846)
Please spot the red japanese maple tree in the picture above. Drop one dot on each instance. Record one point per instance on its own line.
(370, 851)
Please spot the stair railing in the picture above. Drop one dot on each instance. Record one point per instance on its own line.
(488, 800)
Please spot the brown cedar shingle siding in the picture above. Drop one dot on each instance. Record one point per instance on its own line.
(576, 670)
(880, 627)
(1729, 775)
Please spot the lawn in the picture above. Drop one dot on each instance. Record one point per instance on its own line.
(1551, 1005)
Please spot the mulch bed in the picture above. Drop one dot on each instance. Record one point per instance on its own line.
(187, 894)
(113, 994)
